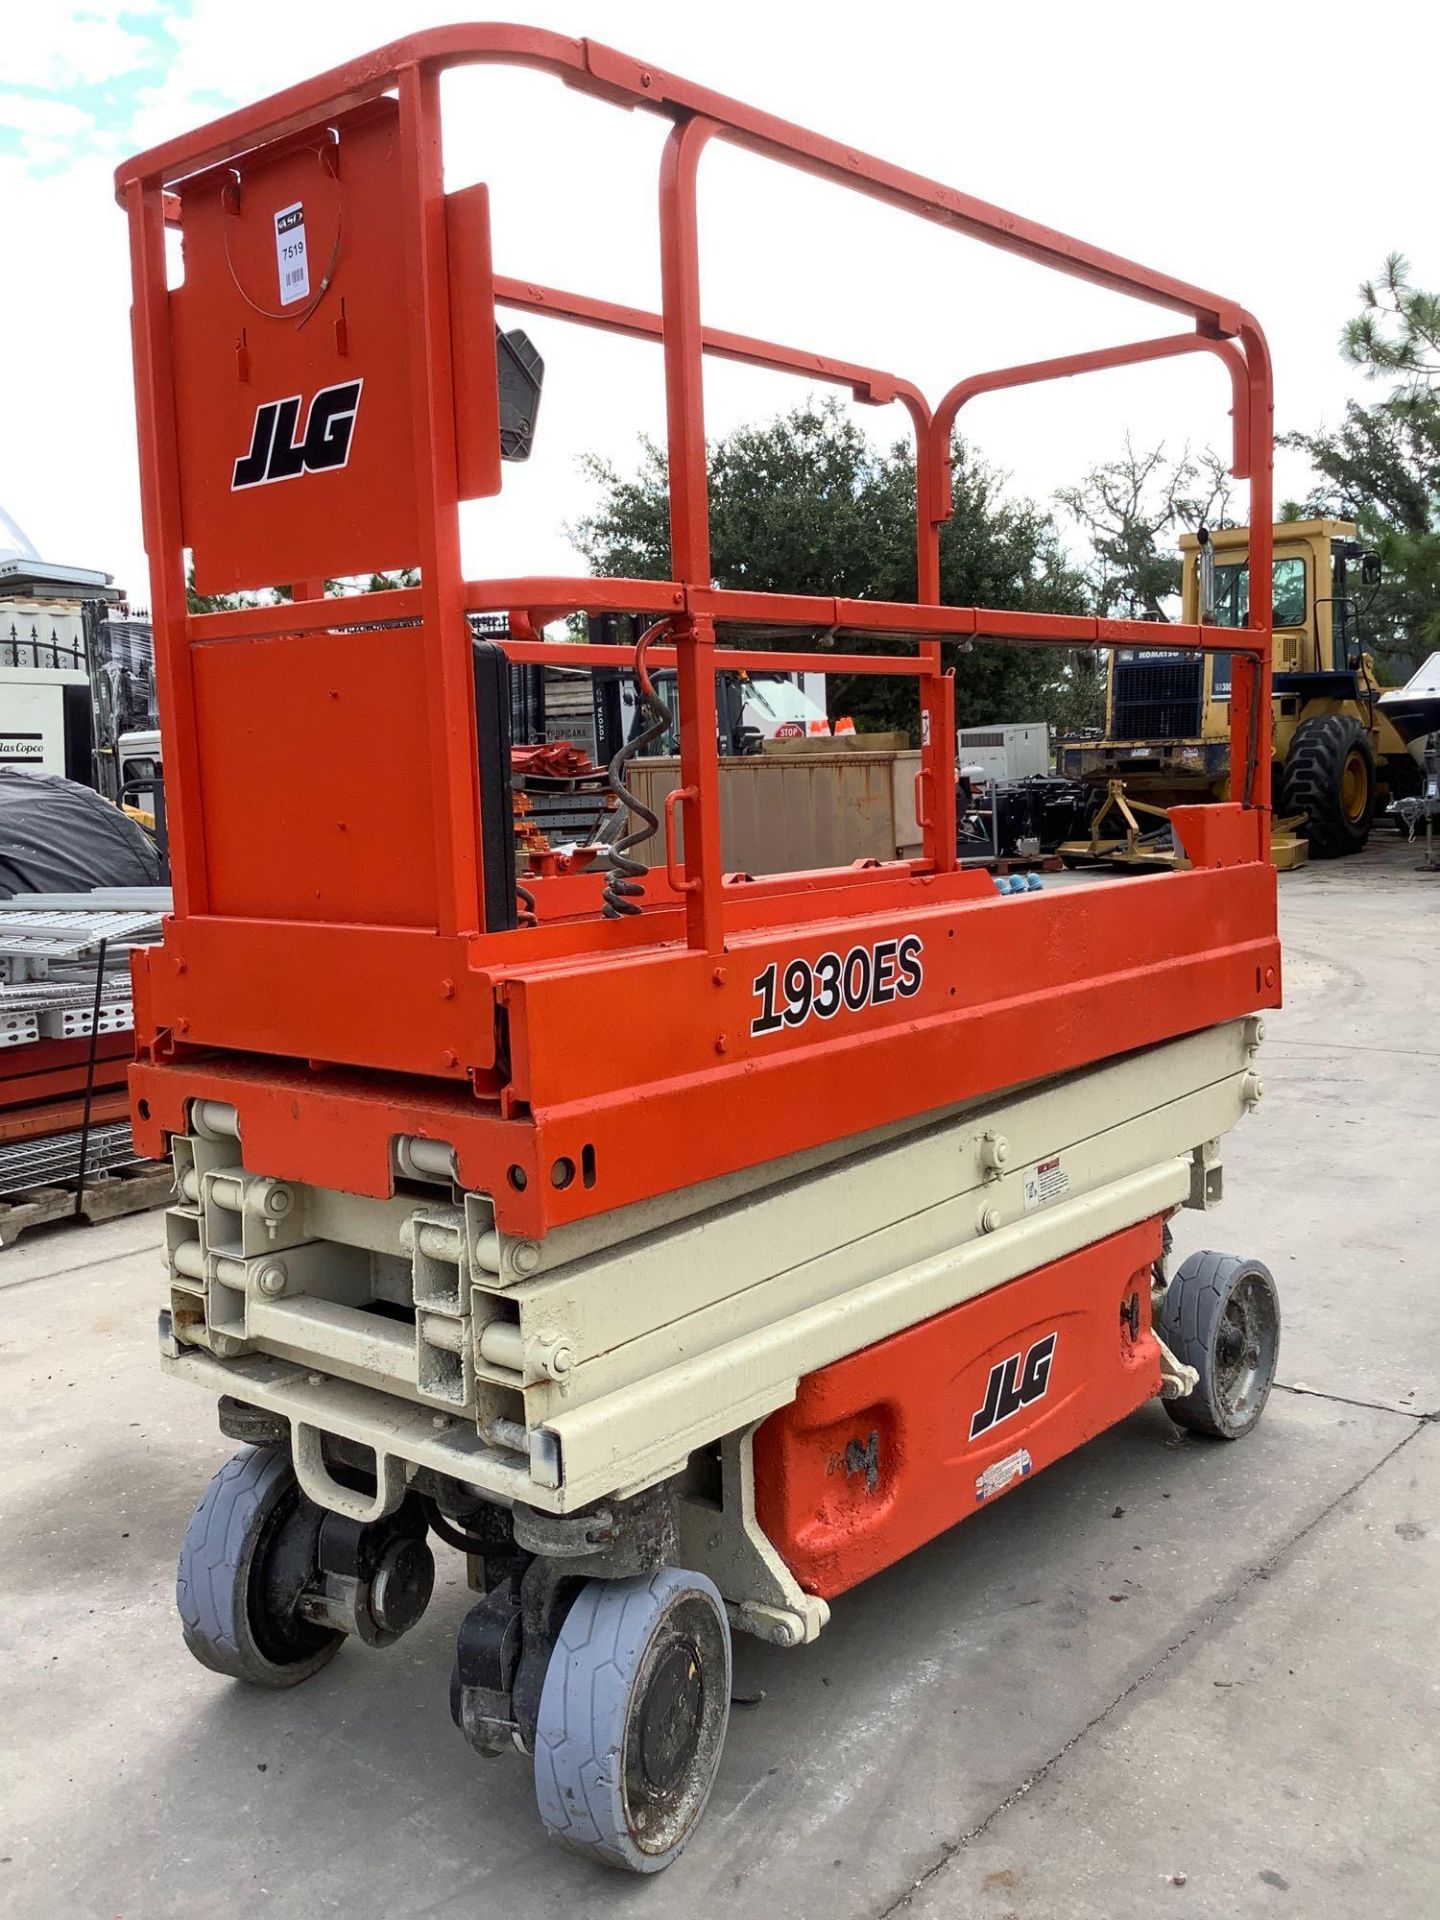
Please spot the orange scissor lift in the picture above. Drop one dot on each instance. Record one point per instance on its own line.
(682, 1247)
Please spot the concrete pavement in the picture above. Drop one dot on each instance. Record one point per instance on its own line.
(1221, 1699)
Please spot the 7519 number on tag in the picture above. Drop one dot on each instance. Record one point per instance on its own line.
(871, 976)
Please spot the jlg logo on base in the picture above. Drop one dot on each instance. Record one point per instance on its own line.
(275, 453)
(1015, 1383)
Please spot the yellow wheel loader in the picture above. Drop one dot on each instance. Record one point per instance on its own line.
(1338, 757)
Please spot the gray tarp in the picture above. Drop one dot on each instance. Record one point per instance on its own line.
(59, 837)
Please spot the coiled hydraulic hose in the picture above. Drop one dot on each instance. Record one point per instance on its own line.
(624, 882)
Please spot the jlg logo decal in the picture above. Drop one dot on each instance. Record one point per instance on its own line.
(1015, 1383)
(863, 977)
(276, 454)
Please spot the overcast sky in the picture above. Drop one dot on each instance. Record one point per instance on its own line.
(1266, 152)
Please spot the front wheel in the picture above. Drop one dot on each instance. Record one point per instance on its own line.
(1330, 776)
(632, 1718)
(1221, 1315)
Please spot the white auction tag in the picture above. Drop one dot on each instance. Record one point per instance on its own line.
(291, 258)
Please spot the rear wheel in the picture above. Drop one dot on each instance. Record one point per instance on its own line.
(1329, 775)
(247, 1557)
(1221, 1315)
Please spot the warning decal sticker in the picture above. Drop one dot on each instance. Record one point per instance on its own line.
(1015, 1466)
(1045, 1183)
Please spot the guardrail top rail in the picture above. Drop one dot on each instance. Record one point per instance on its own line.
(320, 411)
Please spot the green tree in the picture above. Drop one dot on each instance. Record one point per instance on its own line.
(377, 582)
(213, 602)
(1381, 466)
(1397, 330)
(805, 504)
(274, 596)
(1131, 511)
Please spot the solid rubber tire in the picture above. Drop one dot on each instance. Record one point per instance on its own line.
(217, 1574)
(1189, 1321)
(584, 1708)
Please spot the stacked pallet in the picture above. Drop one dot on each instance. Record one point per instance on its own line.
(66, 1041)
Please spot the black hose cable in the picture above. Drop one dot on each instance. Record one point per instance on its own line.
(624, 883)
(453, 1536)
(90, 1079)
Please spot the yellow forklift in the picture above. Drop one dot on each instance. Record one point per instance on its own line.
(1338, 758)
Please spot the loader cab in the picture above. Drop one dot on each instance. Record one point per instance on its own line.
(1318, 568)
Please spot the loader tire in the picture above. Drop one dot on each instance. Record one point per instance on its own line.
(1221, 1315)
(243, 1561)
(1330, 776)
